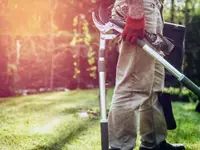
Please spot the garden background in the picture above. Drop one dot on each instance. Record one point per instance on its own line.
(48, 74)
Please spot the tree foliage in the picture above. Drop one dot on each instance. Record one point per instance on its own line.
(54, 43)
(182, 10)
(46, 41)
(192, 67)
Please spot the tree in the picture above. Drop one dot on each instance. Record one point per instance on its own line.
(7, 70)
(192, 68)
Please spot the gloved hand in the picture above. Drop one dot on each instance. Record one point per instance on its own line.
(134, 28)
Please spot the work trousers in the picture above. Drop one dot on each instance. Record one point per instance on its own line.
(139, 78)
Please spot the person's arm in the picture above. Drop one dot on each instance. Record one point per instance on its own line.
(105, 10)
(106, 3)
(135, 8)
(135, 21)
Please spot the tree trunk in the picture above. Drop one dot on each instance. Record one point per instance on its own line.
(198, 107)
(186, 12)
(52, 43)
(172, 10)
(5, 89)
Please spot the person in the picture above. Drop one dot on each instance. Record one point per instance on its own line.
(139, 79)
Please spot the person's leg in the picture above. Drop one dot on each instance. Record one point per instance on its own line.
(134, 81)
(122, 129)
(122, 119)
(152, 123)
(134, 75)
(154, 131)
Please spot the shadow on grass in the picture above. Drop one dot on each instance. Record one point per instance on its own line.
(65, 138)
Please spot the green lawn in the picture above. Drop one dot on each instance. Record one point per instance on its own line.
(50, 122)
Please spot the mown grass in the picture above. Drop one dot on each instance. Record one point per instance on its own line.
(188, 126)
(50, 122)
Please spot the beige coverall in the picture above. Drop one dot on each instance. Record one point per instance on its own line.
(138, 79)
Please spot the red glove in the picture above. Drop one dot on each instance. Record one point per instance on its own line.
(134, 28)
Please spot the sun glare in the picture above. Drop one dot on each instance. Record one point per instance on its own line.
(28, 17)
(47, 128)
